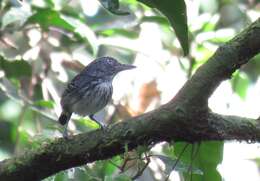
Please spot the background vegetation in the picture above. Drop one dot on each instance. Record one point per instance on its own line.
(43, 44)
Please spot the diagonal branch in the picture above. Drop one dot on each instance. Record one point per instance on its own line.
(147, 129)
(185, 118)
(228, 58)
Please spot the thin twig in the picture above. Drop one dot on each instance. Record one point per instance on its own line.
(117, 166)
(191, 161)
(178, 159)
(140, 171)
(194, 153)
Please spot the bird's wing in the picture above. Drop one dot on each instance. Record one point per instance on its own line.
(76, 89)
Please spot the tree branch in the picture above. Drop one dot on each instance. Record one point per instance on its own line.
(185, 118)
(228, 58)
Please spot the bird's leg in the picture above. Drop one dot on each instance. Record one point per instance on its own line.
(92, 118)
(65, 132)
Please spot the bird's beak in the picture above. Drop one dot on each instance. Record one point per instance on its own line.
(122, 67)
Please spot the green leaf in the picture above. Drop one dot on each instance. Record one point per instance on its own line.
(48, 17)
(240, 83)
(120, 177)
(6, 143)
(156, 19)
(61, 176)
(15, 68)
(23, 137)
(44, 103)
(207, 158)
(252, 69)
(122, 32)
(109, 168)
(181, 167)
(88, 123)
(113, 7)
(175, 11)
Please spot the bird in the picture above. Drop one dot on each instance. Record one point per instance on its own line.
(90, 90)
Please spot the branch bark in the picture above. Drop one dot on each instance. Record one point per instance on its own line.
(184, 118)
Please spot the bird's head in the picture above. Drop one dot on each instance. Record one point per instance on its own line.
(106, 67)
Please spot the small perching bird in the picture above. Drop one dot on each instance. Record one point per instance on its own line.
(90, 90)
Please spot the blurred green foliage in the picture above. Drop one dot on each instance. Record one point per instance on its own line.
(206, 156)
(41, 47)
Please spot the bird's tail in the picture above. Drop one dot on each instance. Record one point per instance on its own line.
(64, 117)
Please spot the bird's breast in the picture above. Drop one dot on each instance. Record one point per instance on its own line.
(94, 100)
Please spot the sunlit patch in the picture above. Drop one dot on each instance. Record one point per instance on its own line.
(110, 109)
(39, 3)
(54, 41)
(10, 110)
(90, 7)
(32, 54)
(156, 165)
(34, 36)
(4, 154)
(56, 64)
(253, 15)
(2, 74)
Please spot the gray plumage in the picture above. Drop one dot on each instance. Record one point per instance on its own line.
(91, 89)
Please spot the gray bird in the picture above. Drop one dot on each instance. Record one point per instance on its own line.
(90, 90)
